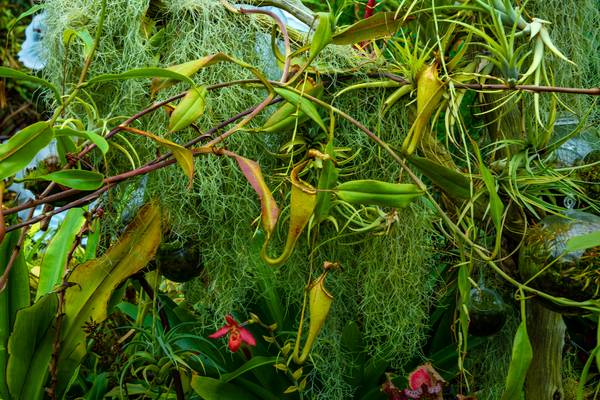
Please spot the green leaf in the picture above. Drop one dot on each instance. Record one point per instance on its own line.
(14, 296)
(21, 76)
(522, 354)
(150, 72)
(189, 109)
(322, 36)
(187, 69)
(30, 347)
(496, 206)
(254, 362)
(75, 178)
(25, 14)
(213, 389)
(98, 140)
(54, 261)
(305, 105)
(86, 39)
(23, 147)
(453, 183)
(583, 242)
(184, 157)
(93, 239)
(94, 282)
(383, 24)
(288, 115)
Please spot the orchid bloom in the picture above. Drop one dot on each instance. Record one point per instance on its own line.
(237, 334)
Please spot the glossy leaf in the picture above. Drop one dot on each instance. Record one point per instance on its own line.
(322, 35)
(22, 147)
(14, 297)
(583, 242)
(522, 354)
(269, 208)
(95, 281)
(254, 362)
(149, 72)
(98, 140)
(84, 36)
(189, 109)
(305, 105)
(288, 115)
(189, 68)
(184, 157)
(75, 178)
(54, 260)
(429, 95)
(30, 347)
(380, 25)
(6, 72)
(214, 389)
(496, 205)
(453, 183)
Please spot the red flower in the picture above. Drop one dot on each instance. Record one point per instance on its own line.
(237, 334)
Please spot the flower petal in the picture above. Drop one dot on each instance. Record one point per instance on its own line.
(230, 320)
(419, 377)
(247, 337)
(235, 341)
(220, 333)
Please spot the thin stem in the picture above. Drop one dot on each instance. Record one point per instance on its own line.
(284, 32)
(88, 60)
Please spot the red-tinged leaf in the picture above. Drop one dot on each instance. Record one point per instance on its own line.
(188, 69)
(379, 25)
(184, 157)
(269, 208)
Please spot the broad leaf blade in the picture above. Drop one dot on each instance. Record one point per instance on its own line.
(20, 149)
(98, 140)
(75, 178)
(187, 69)
(522, 354)
(54, 261)
(30, 347)
(96, 280)
(150, 72)
(189, 109)
(184, 157)
(254, 362)
(305, 105)
(21, 76)
(378, 26)
(214, 389)
(322, 36)
(583, 242)
(269, 208)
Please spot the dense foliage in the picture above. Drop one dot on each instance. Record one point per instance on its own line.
(378, 199)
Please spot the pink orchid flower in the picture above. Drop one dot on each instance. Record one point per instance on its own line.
(237, 334)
